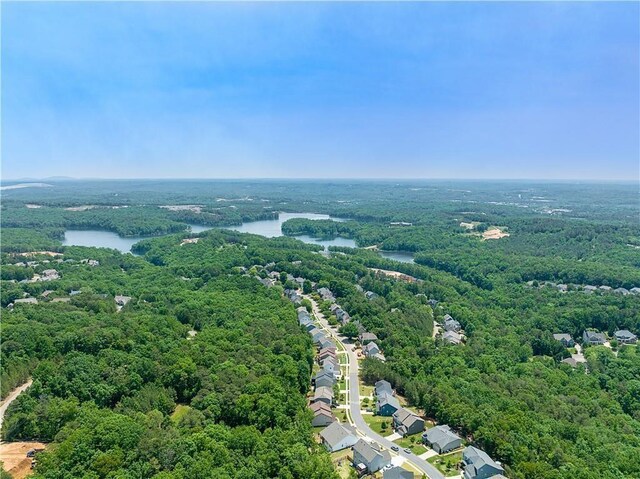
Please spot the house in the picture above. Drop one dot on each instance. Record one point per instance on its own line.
(478, 464)
(441, 439)
(383, 386)
(623, 291)
(370, 295)
(593, 337)
(122, 300)
(60, 300)
(328, 352)
(625, 337)
(635, 290)
(367, 338)
(330, 364)
(563, 288)
(322, 415)
(605, 288)
(396, 472)
(326, 294)
(49, 275)
(589, 289)
(26, 301)
(336, 436)
(566, 339)
(571, 362)
(406, 423)
(342, 316)
(379, 357)
(370, 455)
(323, 394)
(451, 324)
(370, 349)
(309, 326)
(451, 337)
(317, 336)
(324, 342)
(386, 405)
(324, 379)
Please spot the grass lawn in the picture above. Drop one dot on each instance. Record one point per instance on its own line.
(412, 442)
(180, 411)
(342, 462)
(366, 390)
(341, 414)
(447, 464)
(375, 423)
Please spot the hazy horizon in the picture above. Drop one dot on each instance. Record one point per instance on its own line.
(486, 91)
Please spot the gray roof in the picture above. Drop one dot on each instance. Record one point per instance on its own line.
(323, 392)
(478, 458)
(406, 417)
(561, 336)
(397, 472)
(440, 435)
(335, 432)
(452, 337)
(370, 451)
(387, 398)
(370, 346)
(383, 386)
(591, 335)
(624, 333)
(368, 337)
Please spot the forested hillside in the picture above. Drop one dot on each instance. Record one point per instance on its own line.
(204, 371)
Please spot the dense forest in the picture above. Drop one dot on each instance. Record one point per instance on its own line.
(204, 372)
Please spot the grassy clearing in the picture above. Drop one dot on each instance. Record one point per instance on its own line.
(447, 463)
(179, 412)
(375, 423)
(413, 442)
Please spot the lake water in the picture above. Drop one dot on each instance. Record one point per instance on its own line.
(268, 228)
(402, 256)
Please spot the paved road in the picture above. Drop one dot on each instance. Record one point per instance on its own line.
(353, 400)
(10, 398)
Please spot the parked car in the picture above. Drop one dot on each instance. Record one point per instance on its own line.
(407, 450)
(395, 448)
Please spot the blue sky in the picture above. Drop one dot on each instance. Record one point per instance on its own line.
(380, 90)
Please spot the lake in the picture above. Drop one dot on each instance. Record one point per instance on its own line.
(268, 228)
(402, 256)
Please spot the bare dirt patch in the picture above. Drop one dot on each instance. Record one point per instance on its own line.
(494, 233)
(14, 457)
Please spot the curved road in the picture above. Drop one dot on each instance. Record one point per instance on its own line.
(10, 398)
(353, 400)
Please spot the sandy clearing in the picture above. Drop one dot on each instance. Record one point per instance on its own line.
(14, 457)
(494, 233)
(395, 275)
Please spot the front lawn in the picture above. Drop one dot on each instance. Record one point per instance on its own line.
(447, 464)
(413, 442)
(375, 423)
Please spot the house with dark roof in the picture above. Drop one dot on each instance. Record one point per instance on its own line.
(366, 338)
(397, 472)
(442, 439)
(625, 336)
(324, 343)
(336, 436)
(451, 324)
(407, 423)
(382, 386)
(324, 379)
(593, 338)
(323, 394)
(478, 464)
(326, 294)
(322, 415)
(566, 339)
(386, 404)
(370, 457)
